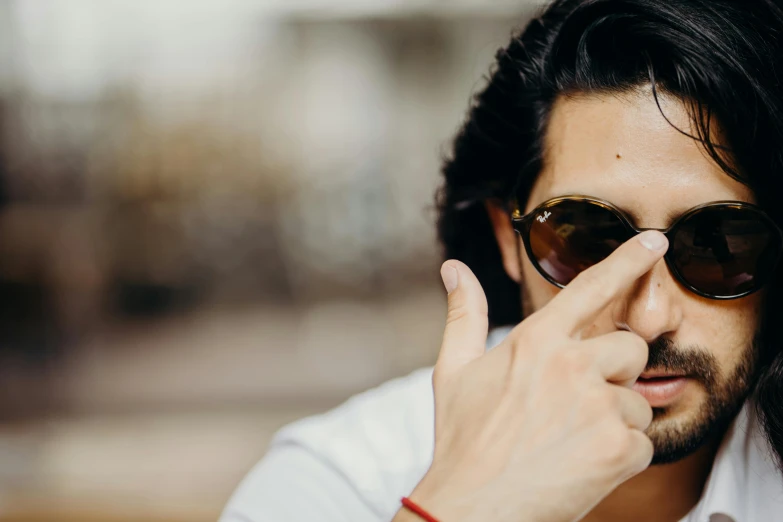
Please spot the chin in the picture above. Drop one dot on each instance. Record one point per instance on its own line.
(675, 438)
(677, 432)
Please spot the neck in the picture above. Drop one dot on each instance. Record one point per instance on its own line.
(661, 493)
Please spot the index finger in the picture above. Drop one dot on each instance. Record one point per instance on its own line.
(592, 290)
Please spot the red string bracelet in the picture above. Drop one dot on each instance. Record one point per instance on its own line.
(413, 507)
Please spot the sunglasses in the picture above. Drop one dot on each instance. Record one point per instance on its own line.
(720, 250)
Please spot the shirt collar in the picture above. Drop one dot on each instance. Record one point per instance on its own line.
(723, 492)
(744, 476)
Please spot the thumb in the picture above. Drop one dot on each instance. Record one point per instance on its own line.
(465, 335)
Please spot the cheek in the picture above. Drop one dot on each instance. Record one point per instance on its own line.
(725, 328)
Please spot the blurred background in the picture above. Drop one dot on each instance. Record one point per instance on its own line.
(216, 216)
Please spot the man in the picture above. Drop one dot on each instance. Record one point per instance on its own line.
(643, 377)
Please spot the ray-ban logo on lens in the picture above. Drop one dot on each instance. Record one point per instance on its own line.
(543, 218)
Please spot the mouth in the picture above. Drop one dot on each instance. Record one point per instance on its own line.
(660, 388)
(660, 374)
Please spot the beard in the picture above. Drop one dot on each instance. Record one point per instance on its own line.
(675, 438)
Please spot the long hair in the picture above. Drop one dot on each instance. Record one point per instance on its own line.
(721, 57)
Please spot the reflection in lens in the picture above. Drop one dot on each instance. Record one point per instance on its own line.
(724, 251)
(572, 236)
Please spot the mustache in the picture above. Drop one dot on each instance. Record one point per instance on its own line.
(694, 361)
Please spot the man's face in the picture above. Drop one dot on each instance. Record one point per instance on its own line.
(622, 150)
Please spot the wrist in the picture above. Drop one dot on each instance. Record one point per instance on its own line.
(432, 495)
(403, 515)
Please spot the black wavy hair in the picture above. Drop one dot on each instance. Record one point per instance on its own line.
(721, 57)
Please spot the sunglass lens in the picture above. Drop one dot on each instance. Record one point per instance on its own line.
(725, 251)
(571, 236)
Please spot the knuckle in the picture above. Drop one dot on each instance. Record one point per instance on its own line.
(632, 344)
(595, 285)
(578, 361)
(648, 414)
(457, 312)
(481, 306)
(604, 399)
(618, 447)
(640, 356)
(637, 347)
(570, 365)
(642, 454)
(598, 404)
(638, 343)
(624, 265)
(640, 412)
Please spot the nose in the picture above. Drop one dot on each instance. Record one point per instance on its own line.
(651, 306)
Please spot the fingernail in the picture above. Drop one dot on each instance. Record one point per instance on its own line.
(450, 277)
(653, 240)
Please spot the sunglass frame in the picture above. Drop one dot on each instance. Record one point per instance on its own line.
(522, 224)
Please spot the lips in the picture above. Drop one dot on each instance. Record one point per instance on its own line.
(660, 388)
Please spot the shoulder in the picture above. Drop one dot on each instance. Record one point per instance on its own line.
(351, 463)
(381, 439)
(374, 448)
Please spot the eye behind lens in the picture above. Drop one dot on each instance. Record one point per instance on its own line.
(725, 251)
(572, 235)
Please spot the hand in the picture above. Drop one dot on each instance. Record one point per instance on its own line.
(545, 425)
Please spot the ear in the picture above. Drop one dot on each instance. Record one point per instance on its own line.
(507, 238)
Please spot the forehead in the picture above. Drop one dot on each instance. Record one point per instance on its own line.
(622, 149)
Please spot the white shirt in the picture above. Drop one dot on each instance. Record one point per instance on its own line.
(354, 463)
